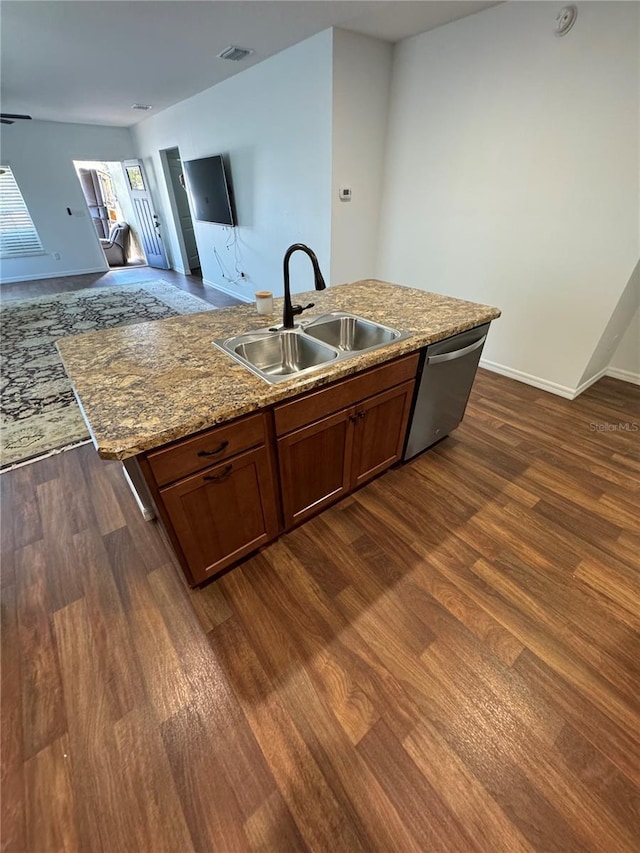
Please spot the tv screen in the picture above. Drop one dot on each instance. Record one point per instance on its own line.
(209, 190)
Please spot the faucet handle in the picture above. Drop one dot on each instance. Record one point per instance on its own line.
(298, 309)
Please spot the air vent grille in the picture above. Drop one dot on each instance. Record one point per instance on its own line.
(143, 107)
(234, 53)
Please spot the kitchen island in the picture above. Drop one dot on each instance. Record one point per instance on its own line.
(231, 460)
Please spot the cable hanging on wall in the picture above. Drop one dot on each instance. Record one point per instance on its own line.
(231, 243)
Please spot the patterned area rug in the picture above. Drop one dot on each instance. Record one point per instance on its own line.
(39, 412)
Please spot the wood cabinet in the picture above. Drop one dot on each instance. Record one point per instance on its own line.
(217, 504)
(379, 429)
(218, 493)
(223, 513)
(324, 460)
(315, 466)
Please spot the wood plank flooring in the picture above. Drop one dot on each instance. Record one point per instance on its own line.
(122, 275)
(449, 660)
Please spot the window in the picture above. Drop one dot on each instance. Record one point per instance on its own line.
(18, 236)
(136, 181)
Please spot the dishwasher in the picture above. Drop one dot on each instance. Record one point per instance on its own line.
(445, 375)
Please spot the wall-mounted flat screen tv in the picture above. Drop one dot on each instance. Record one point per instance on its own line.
(210, 190)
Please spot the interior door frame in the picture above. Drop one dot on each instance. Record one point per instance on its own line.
(175, 213)
(94, 233)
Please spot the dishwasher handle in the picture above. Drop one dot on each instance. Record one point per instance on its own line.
(459, 353)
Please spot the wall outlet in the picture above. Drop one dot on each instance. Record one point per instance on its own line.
(56, 256)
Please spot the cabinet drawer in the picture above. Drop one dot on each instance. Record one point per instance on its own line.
(319, 404)
(193, 454)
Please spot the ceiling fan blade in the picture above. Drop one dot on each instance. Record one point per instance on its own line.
(13, 115)
(5, 121)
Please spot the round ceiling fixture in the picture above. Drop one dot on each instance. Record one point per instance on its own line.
(565, 20)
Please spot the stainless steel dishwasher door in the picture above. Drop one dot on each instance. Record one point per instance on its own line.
(445, 376)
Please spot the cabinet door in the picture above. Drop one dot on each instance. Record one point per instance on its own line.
(223, 513)
(381, 422)
(315, 465)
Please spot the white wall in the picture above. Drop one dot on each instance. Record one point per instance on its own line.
(361, 81)
(512, 176)
(274, 123)
(615, 329)
(625, 363)
(41, 155)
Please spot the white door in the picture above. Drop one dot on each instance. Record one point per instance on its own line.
(148, 222)
(184, 212)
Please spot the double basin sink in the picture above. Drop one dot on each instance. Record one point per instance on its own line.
(277, 355)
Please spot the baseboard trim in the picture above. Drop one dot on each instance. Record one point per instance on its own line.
(589, 382)
(529, 379)
(226, 290)
(554, 387)
(38, 276)
(625, 375)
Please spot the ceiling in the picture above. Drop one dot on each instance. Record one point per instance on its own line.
(90, 61)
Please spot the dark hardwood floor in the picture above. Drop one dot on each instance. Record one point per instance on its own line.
(124, 275)
(447, 661)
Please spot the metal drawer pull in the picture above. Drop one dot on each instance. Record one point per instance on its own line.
(459, 353)
(353, 418)
(221, 476)
(219, 449)
(362, 414)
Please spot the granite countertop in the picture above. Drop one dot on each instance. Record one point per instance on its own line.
(145, 385)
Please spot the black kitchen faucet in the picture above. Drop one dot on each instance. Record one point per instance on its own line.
(290, 311)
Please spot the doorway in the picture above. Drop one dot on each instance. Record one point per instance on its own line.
(105, 192)
(179, 201)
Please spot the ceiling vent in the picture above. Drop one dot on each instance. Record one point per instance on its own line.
(234, 53)
(143, 107)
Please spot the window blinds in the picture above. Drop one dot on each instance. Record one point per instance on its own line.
(18, 236)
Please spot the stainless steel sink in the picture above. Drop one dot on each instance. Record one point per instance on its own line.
(277, 355)
(349, 333)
